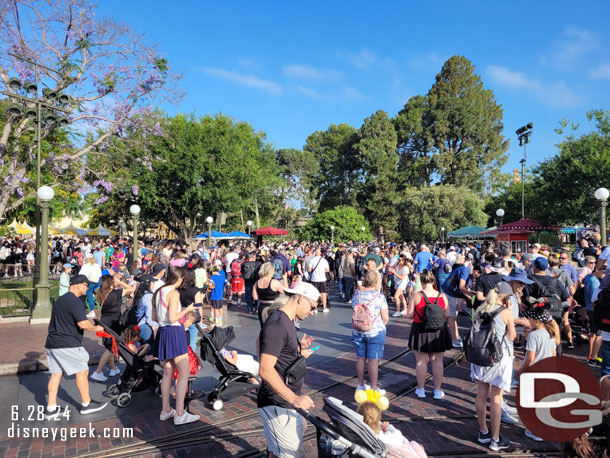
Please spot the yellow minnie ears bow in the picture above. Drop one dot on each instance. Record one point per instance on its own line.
(374, 396)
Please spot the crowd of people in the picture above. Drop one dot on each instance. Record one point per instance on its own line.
(540, 302)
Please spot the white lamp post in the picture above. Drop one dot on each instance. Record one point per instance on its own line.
(500, 214)
(209, 220)
(135, 213)
(443, 234)
(602, 195)
(42, 310)
(363, 229)
(332, 234)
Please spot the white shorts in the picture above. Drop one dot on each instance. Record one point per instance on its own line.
(67, 360)
(283, 429)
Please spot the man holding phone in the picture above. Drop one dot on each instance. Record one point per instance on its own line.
(280, 352)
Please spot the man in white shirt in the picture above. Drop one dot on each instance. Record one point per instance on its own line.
(229, 258)
(317, 268)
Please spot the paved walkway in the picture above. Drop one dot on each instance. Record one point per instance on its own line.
(446, 428)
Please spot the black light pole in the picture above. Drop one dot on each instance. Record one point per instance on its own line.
(523, 134)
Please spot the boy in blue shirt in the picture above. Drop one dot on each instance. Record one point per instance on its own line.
(219, 278)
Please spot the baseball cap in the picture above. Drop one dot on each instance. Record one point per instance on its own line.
(67, 264)
(304, 289)
(541, 263)
(497, 265)
(158, 268)
(376, 249)
(79, 280)
(218, 262)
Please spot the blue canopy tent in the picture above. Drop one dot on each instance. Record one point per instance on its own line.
(470, 232)
(215, 235)
(238, 235)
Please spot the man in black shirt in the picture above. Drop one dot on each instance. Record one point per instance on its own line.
(65, 351)
(249, 270)
(487, 282)
(278, 397)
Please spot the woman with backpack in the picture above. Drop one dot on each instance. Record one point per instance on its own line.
(429, 337)
(493, 381)
(369, 317)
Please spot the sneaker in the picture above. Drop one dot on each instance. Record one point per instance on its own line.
(381, 391)
(593, 362)
(570, 345)
(363, 387)
(508, 419)
(420, 392)
(167, 416)
(49, 414)
(315, 311)
(325, 310)
(114, 372)
(185, 419)
(531, 435)
(510, 410)
(484, 438)
(91, 314)
(94, 406)
(396, 314)
(403, 313)
(457, 344)
(98, 377)
(500, 444)
(439, 394)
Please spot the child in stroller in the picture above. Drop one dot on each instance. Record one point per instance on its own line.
(233, 382)
(139, 375)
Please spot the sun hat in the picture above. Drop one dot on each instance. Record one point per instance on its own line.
(518, 275)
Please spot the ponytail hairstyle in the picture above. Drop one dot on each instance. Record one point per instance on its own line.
(427, 277)
(492, 302)
(550, 329)
(106, 287)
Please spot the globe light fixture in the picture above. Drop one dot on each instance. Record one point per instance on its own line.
(602, 195)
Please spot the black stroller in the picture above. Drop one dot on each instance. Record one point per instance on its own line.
(232, 382)
(138, 376)
(348, 436)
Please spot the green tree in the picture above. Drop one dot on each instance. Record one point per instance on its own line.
(296, 170)
(376, 147)
(338, 173)
(453, 135)
(200, 168)
(348, 223)
(425, 210)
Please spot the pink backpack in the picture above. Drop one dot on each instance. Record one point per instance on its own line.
(361, 315)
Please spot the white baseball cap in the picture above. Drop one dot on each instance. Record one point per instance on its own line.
(304, 289)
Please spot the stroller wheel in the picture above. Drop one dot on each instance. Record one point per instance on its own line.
(113, 391)
(217, 404)
(124, 400)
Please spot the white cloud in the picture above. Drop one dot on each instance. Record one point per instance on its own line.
(310, 72)
(573, 43)
(311, 93)
(600, 73)
(349, 93)
(242, 79)
(555, 94)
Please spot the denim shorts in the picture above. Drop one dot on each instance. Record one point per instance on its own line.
(605, 354)
(369, 347)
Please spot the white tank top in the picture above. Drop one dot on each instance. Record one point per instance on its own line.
(163, 308)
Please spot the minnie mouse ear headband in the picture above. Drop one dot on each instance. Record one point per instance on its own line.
(538, 313)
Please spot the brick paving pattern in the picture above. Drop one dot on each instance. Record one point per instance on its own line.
(445, 428)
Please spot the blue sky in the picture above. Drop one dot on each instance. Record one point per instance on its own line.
(290, 69)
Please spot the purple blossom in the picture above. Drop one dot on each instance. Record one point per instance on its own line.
(101, 200)
(157, 129)
(19, 191)
(104, 184)
(135, 190)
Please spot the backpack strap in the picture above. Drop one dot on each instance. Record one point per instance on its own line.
(427, 300)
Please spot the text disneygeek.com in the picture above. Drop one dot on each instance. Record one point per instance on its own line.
(63, 433)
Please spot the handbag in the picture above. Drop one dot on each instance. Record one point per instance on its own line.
(296, 371)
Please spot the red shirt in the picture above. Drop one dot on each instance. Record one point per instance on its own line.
(421, 305)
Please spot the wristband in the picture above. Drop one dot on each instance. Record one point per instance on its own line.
(199, 304)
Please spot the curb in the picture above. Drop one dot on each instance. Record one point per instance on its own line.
(37, 365)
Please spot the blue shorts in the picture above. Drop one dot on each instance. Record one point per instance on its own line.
(605, 354)
(369, 347)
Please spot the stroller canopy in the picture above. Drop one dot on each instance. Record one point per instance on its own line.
(218, 338)
(351, 426)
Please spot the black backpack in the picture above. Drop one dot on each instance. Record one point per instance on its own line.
(601, 311)
(547, 293)
(434, 315)
(483, 346)
(248, 270)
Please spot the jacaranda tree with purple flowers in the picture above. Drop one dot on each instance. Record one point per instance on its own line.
(110, 73)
